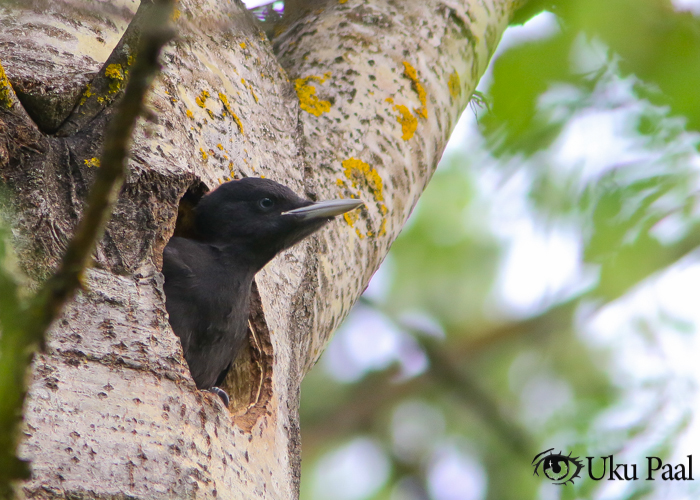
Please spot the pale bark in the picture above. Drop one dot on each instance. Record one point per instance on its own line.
(112, 410)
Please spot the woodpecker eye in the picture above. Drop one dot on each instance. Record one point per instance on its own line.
(266, 203)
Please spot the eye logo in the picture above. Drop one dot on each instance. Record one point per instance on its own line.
(558, 468)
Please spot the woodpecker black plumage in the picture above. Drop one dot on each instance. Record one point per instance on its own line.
(236, 229)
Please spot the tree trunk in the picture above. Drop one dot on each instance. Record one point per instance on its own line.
(356, 99)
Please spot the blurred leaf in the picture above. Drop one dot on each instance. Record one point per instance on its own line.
(625, 205)
(520, 76)
(451, 258)
(11, 368)
(9, 287)
(658, 44)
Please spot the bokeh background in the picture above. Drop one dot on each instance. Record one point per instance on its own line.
(544, 293)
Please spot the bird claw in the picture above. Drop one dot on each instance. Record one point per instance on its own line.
(221, 393)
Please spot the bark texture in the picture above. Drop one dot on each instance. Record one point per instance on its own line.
(357, 99)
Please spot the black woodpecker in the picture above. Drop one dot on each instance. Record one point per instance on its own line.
(236, 229)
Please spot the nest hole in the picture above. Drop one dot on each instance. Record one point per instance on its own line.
(249, 380)
(184, 224)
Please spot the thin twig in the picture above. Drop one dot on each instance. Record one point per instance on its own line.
(17, 347)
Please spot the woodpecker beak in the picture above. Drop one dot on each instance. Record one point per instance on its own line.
(325, 209)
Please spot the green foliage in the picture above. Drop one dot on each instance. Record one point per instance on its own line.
(623, 208)
(647, 39)
(539, 372)
(448, 251)
(12, 363)
(521, 76)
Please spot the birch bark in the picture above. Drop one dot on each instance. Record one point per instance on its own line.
(356, 99)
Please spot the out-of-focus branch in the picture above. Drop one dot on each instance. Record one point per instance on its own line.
(468, 390)
(552, 320)
(18, 342)
(560, 316)
(444, 371)
(11, 346)
(365, 400)
(379, 391)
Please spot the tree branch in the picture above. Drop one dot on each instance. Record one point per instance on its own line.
(108, 84)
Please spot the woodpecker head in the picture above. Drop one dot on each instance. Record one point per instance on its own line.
(262, 215)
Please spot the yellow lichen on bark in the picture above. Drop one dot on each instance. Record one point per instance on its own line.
(361, 174)
(454, 84)
(88, 93)
(250, 87)
(308, 100)
(409, 123)
(5, 90)
(92, 162)
(114, 71)
(201, 98)
(117, 76)
(350, 218)
(412, 74)
(238, 122)
(224, 101)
